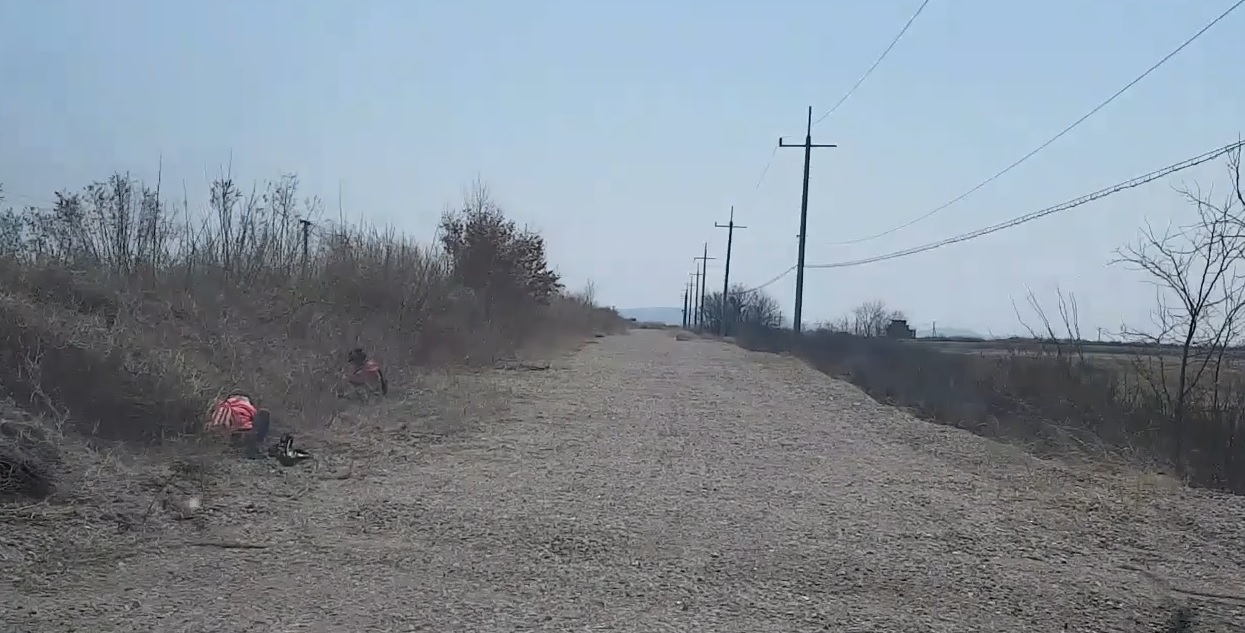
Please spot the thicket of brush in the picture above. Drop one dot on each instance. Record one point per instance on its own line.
(122, 318)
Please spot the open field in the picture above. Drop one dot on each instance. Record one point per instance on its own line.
(1135, 366)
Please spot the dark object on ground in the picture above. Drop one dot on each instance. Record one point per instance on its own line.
(262, 425)
(1181, 621)
(519, 365)
(27, 459)
(22, 477)
(250, 441)
(285, 452)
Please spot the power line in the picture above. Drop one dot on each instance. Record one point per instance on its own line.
(1029, 217)
(841, 101)
(770, 161)
(875, 63)
(755, 188)
(771, 282)
(1054, 138)
(765, 170)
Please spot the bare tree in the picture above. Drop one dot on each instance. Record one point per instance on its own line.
(743, 308)
(872, 318)
(841, 324)
(1201, 291)
(1069, 315)
(760, 309)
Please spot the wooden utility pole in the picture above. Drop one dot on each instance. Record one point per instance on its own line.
(691, 298)
(799, 270)
(686, 294)
(730, 227)
(704, 277)
(695, 324)
(306, 234)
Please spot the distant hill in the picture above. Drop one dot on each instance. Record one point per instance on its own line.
(669, 316)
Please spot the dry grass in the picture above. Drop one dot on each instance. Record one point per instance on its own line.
(1052, 400)
(1139, 369)
(123, 319)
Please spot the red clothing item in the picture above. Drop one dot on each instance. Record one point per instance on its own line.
(366, 374)
(235, 414)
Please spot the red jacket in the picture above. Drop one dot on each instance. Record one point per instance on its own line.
(234, 414)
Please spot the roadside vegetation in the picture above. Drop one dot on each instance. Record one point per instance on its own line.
(1169, 394)
(125, 314)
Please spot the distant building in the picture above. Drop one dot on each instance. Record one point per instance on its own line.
(899, 329)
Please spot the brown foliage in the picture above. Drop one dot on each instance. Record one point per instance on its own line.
(490, 255)
(123, 318)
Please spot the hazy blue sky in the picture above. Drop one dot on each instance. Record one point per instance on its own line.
(624, 130)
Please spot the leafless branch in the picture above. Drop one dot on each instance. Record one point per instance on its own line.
(1197, 272)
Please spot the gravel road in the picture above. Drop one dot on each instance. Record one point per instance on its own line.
(648, 484)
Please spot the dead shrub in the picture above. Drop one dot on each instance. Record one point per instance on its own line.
(60, 364)
(28, 455)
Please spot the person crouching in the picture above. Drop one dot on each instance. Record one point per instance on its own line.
(246, 424)
(364, 372)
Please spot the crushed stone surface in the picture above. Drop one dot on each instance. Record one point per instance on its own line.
(649, 484)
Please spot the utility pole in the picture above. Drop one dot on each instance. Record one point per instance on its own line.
(730, 227)
(799, 265)
(686, 294)
(691, 293)
(695, 320)
(306, 233)
(704, 277)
